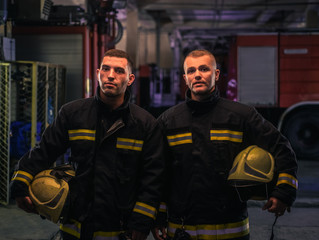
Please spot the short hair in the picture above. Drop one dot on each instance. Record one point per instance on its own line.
(120, 54)
(200, 53)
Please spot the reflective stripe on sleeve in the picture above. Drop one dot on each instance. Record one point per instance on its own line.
(179, 139)
(210, 232)
(162, 207)
(287, 179)
(22, 176)
(73, 228)
(106, 235)
(128, 143)
(226, 135)
(145, 209)
(81, 134)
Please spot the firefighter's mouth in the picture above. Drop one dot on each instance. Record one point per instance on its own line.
(199, 83)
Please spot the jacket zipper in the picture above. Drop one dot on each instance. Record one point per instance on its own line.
(114, 128)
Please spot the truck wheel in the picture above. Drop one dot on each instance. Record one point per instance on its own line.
(302, 130)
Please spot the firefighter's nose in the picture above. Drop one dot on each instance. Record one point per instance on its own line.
(111, 74)
(198, 77)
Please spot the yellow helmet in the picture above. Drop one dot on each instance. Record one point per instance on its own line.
(251, 167)
(48, 192)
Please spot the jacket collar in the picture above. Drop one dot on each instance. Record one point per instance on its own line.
(121, 110)
(202, 106)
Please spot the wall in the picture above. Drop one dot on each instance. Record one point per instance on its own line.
(146, 47)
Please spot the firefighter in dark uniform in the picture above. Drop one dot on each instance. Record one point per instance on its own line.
(116, 148)
(204, 135)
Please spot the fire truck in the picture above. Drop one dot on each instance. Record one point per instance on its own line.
(279, 75)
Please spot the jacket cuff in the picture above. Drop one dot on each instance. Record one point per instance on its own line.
(286, 196)
(141, 223)
(161, 220)
(18, 189)
(286, 188)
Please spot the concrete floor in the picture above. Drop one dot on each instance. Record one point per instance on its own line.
(301, 223)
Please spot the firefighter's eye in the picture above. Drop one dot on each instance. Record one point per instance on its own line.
(105, 68)
(204, 69)
(191, 70)
(119, 70)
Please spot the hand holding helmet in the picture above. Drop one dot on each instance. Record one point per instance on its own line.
(49, 191)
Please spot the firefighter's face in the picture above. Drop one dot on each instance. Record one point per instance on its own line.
(114, 77)
(200, 75)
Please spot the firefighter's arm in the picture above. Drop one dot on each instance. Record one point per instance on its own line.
(53, 143)
(266, 136)
(150, 182)
(159, 231)
(19, 190)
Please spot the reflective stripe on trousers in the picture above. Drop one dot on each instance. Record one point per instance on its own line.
(213, 232)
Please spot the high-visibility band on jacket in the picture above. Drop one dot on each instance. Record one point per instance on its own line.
(162, 207)
(22, 176)
(287, 179)
(106, 235)
(179, 139)
(128, 143)
(73, 228)
(226, 135)
(81, 134)
(145, 209)
(210, 232)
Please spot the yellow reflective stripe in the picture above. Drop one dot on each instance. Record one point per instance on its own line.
(81, 131)
(229, 135)
(128, 143)
(73, 228)
(22, 176)
(226, 135)
(287, 179)
(81, 134)
(179, 139)
(145, 209)
(82, 138)
(106, 235)
(218, 231)
(162, 207)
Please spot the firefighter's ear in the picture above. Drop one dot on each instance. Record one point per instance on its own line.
(217, 72)
(131, 79)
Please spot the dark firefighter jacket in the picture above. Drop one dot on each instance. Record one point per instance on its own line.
(203, 140)
(118, 159)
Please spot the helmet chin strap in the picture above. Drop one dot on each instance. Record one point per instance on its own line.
(240, 199)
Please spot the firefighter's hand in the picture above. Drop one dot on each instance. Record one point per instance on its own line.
(156, 233)
(26, 204)
(136, 235)
(274, 205)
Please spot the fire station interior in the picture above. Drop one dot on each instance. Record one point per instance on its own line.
(267, 52)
